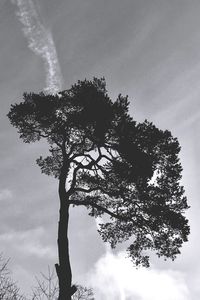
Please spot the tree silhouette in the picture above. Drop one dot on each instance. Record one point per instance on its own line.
(110, 164)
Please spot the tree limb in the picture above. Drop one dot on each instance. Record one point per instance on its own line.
(101, 208)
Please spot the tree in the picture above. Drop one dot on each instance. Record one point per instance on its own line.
(110, 164)
(47, 289)
(8, 288)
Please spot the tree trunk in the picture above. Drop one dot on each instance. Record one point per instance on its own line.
(64, 269)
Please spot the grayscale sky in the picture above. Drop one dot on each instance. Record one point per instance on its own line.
(148, 49)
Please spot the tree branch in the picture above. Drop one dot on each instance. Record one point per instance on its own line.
(103, 155)
(99, 207)
(83, 150)
(86, 190)
(93, 189)
(92, 160)
(80, 166)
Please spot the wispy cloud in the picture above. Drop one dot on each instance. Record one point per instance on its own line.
(115, 278)
(40, 41)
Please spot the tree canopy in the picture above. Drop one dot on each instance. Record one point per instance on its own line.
(114, 165)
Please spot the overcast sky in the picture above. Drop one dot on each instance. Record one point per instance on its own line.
(148, 49)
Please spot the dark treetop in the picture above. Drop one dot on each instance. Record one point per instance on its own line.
(109, 161)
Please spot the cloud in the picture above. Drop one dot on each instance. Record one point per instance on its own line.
(40, 41)
(115, 278)
(5, 194)
(28, 243)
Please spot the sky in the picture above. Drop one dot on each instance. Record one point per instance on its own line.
(147, 49)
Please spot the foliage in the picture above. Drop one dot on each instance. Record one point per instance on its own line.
(113, 165)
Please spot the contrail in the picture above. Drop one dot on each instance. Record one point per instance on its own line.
(40, 41)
